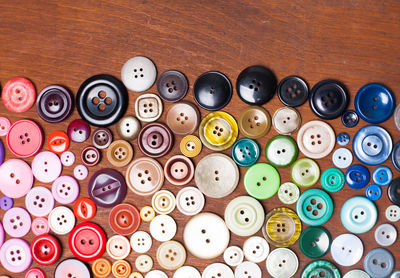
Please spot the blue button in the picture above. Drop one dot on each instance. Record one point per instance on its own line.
(245, 152)
(396, 156)
(357, 176)
(358, 215)
(382, 176)
(342, 158)
(350, 118)
(379, 263)
(373, 192)
(343, 138)
(372, 145)
(6, 202)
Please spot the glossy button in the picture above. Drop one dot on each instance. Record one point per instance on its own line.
(347, 249)
(65, 189)
(78, 131)
(349, 118)
(392, 213)
(179, 170)
(2, 154)
(156, 274)
(128, 128)
(282, 263)
(396, 156)
(332, 180)
(314, 207)
(33, 273)
(4, 126)
(190, 146)
(2, 236)
(163, 227)
(84, 209)
(87, 241)
(147, 213)
(255, 249)
(373, 192)
(254, 122)
(343, 138)
(148, 107)
(356, 273)
(124, 219)
(315, 242)
(247, 269)
(286, 120)
(379, 263)
(288, 193)
(54, 104)
(39, 201)
(46, 167)
(18, 94)
(183, 118)
(342, 158)
(245, 152)
(90, 156)
(120, 153)
(121, 269)
(15, 255)
(171, 255)
(293, 91)
(139, 74)
(190, 200)
(72, 268)
(358, 215)
(320, 268)
(16, 178)
(102, 138)
(393, 191)
(385, 234)
(58, 142)
(172, 86)
(382, 175)
(6, 202)
(163, 202)
(233, 256)
(141, 242)
(304, 172)
(261, 181)
(101, 268)
(45, 249)
(61, 220)
(67, 158)
(25, 138)
(217, 270)
(186, 272)
(17, 222)
(357, 176)
(281, 151)
(40, 226)
(118, 247)
(155, 140)
(144, 263)
(396, 117)
(81, 172)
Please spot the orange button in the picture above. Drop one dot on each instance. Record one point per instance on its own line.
(121, 269)
(58, 142)
(84, 209)
(101, 268)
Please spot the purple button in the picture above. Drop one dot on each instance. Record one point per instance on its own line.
(46, 166)
(40, 226)
(6, 202)
(39, 201)
(1, 152)
(65, 189)
(81, 172)
(17, 222)
(67, 158)
(1, 235)
(78, 131)
(16, 178)
(15, 255)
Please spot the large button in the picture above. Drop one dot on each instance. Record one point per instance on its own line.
(373, 192)
(61, 220)
(186, 272)
(172, 86)
(179, 170)
(190, 146)
(382, 175)
(261, 181)
(332, 180)
(141, 242)
(293, 91)
(233, 256)
(206, 235)
(54, 104)
(139, 74)
(15, 255)
(78, 131)
(357, 176)
(107, 188)
(18, 94)
(102, 100)
(342, 158)
(319, 269)
(25, 138)
(171, 255)
(101, 268)
(5, 125)
(316, 139)
(396, 156)
(58, 142)
(393, 191)
(343, 138)
(128, 128)
(90, 156)
(254, 122)
(124, 219)
(16, 178)
(72, 268)
(67, 158)
(17, 222)
(84, 209)
(163, 202)
(120, 153)
(392, 213)
(305, 172)
(286, 120)
(46, 167)
(212, 90)
(118, 247)
(385, 234)
(358, 215)
(45, 249)
(190, 200)
(347, 249)
(314, 207)
(102, 138)
(356, 273)
(121, 269)
(281, 151)
(349, 118)
(148, 107)
(314, 242)
(217, 270)
(163, 227)
(245, 152)
(256, 85)
(183, 118)
(379, 263)
(155, 140)
(39, 201)
(288, 193)
(65, 189)
(282, 263)
(40, 226)
(87, 241)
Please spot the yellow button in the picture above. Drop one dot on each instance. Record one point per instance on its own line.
(147, 213)
(190, 146)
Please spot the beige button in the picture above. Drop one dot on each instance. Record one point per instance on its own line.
(183, 118)
(148, 107)
(171, 255)
(147, 213)
(136, 275)
(190, 146)
(163, 202)
(286, 120)
(254, 122)
(144, 263)
(119, 153)
(144, 176)
(128, 128)
(118, 247)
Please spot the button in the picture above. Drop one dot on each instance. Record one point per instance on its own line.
(356, 273)
(187, 272)
(216, 175)
(54, 104)
(67, 158)
(61, 220)
(121, 269)
(148, 107)
(347, 249)
(87, 241)
(33, 273)
(282, 262)
(81, 172)
(101, 268)
(78, 131)
(58, 142)
(179, 170)
(316, 139)
(379, 263)
(40, 226)
(90, 156)
(163, 202)
(254, 122)
(190, 146)
(1, 153)
(373, 192)
(382, 175)
(156, 274)
(396, 156)
(147, 213)
(1, 235)
(286, 120)
(4, 126)
(172, 86)
(245, 152)
(6, 203)
(102, 138)
(332, 180)
(244, 216)
(314, 207)
(350, 118)
(45, 249)
(396, 117)
(329, 99)
(190, 200)
(247, 269)
(101, 100)
(206, 236)
(315, 268)
(25, 138)
(120, 153)
(46, 167)
(305, 172)
(358, 215)
(144, 176)
(218, 131)
(124, 219)
(314, 242)
(256, 85)
(357, 176)
(261, 181)
(342, 158)
(233, 256)
(394, 191)
(288, 193)
(385, 234)
(343, 138)
(281, 151)
(16, 222)
(65, 189)
(18, 94)
(141, 242)
(255, 249)
(139, 74)
(118, 247)
(183, 118)
(212, 91)
(144, 263)
(107, 188)
(171, 255)
(72, 268)
(392, 213)
(16, 178)
(155, 140)
(128, 128)
(163, 227)
(372, 145)
(395, 274)
(217, 270)
(15, 255)
(293, 91)
(39, 201)
(84, 209)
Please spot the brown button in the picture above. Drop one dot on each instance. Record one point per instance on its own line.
(183, 118)
(179, 170)
(254, 122)
(90, 156)
(124, 219)
(128, 128)
(120, 153)
(172, 86)
(171, 255)
(102, 138)
(155, 140)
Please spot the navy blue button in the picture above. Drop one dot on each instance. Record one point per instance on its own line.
(379, 263)
(350, 118)
(6, 202)
(293, 91)
(394, 191)
(245, 152)
(372, 145)
(374, 103)
(373, 192)
(396, 156)
(382, 175)
(357, 176)
(343, 138)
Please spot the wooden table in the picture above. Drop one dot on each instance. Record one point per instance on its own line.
(65, 42)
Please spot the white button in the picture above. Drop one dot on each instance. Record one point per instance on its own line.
(187, 272)
(288, 193)
(138, 74)
(81, 172)
(286, 120)
(118, 247)
(347, 249)
(162, 227)
(156, 274)
(356, 273)
(39, 201)
(206, 235)
(395, 274)
(342, 158)
(282, 263)
(385, 234)
(163, 202)
(144, 263)
(148, 107)
(256, 249)
(67, 158)
(392, 213)
(233, 255)
(141, 242)
(248, 269)
(190, 200)
(217, 270)
(72, 268)
(61, 220)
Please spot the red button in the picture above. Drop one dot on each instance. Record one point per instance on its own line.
(18, 94)
(84, 209)
(45, 249)
(58, 142)
(124, 219)
(87, 241)
(25, 138)
(35, 273)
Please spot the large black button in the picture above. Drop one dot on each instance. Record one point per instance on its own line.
(54, 104)
(329, 99)
(172, 86)
(212, 90)
(396, 156)
(293, 91)
(102, 100)
(256, 85)
(394, 191)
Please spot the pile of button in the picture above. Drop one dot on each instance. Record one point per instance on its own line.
(102, 100)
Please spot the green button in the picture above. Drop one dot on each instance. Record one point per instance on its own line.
(281, 151)
(314, 242)
(261, 181)
(288, 193)
(314, 207)
(305, 172)
(319, 269)
(332, 180)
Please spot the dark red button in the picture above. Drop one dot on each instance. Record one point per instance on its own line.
(58, 142)
(124, 219)
(155, 140)
(90, 156)
(84, 209)
(78, 131)
(45, 249)
(54, 104)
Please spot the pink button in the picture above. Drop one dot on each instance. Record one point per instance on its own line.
(18, 94)
(4, 126)
(65, 189)
(35, 273)
(15, 255)
(17, 222)
(40, 226)
(67, 158)
(46, 166)
(39, 201)
(25, 138)
(81, 172)
(1, 235)
(16, 178)
(179, 170)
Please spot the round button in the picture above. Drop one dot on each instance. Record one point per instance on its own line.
(61, 220)
(65, 189)
(15, 255)
(245, 152)
(58, 142)
(141, 242)
(332, 180)
(396, 156)
(342, 158)
(314, 242)
(293, 91)
(282, 262)
(190, 200)
(358, 215)
(46, 167)
(392, 213)
(395, 274)
(385, 234)
(172, 86)
(179, 170)
(183, 118)
(255, 249)
(356, 273)
(144, 263)
(16, 178)
(247, 269)
(5, 125)
(314, 207)
(90, 156)
(286, 120)
(190, 146)
(155, 140)
(156, 274)
(33, 273)
(349, 118)
(45, 249)
(288, 193)
(1, 152)
(81, 172)
(305, 172)
(148, 107)
(71, 268)
(87, 241)
(128, 128)
(121, 269)
(382, 175)
(6, 203)
(54, 104)
(281, 151)
(347, 249)
(186, 272)
(163, 202)
(393, 191)
(101, 268)
(316, 268)
(147, 213)
(78, 131)
(139, 74)
(171, 255)
(40, 226)
(2, 236)
(261, 181)
(124, 219)
(163, 227)
(39, 201)
(102, 138)
(18, 94)
(84, 209)
(343, 138)
(17, 222)
(118, 247)
(233, 256)
(217, 270)
(254, 122)
(24, 139)
(67, 158)
(357, 176)
(379, 263)
(120, 153)
(373, 192)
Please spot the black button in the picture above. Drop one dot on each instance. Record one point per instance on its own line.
(212, 90)
(329, 99)
(293, 91)
(54, 104)
(396, 156)
(102, 100)
(394, 191)
(172, 86)
(350, 118)
(256, 85)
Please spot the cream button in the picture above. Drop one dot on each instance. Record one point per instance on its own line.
(128, 128)
(139, 74)
(118, 247)
(148, 107)
(286, 120)
(392, 213)
(356, 273)
(233, 256)
(190, 200)
(187, 272)
(156, 274)
(217, 270)
(171, 255)
(347, 249)
(61, 220)
(141, 242)
(288, 193)
(163, 202)
(248, 269)
(163, 228)
(144, 263)
(282, 263)
(256, 249)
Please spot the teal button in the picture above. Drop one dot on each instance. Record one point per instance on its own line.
(358, 215)
(261, 181)
(320, 269)
(281, 151)
(314, 242)
(314, 207)
(332, 180)
(245, 152)
(305, 172)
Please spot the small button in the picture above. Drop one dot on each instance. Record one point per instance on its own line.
(281, 151)
(18, 94)
(155, 140)
(118, 247)
(39, 201)
(25, 138)
(54, 104)
(67, 158)
(172, 86)
(190, 200)
(171, 255)
(65, 189)
(347, 249)
(136, 275)
(315, 242)
(72, 267)
(141, 242)
(332, 180)
(163, 227)
(392, 213)
(373, 192)
(396, 117)
(183, 118)
(248, 269)
(124, 219)
(316, 267)
(32, 273)
(81, 172)
(148, 107)
(357, 176)
(385, 234)
(314, 207)
(6, 203)
(128, 128)
(305, 172)
(120, 153)
(2, 153)
(379, 262)
(288, 193)
(144, 263)
(16, 222)
(343, 138)
(396, 156)
(45, 249)
(163, 202)
(78, 131)
(121, 269)
(185, 272)
(139, 74)
(261, 181)
(16, 178)
(382, 175)
(101, 268)
(217, 270)
(147, 213)
(2, 236)
(358, 215)
(102, 138)
(156, 274)
(349, 118)
(393, 191)
(58, 142)
(5, 125)
(46, 167)
(190, 146)
(84, 209)
(61, 220)
(342, 158)
(245, 152)
(40, 226)
(282, 262)
(179, 170)
(90, 156)
(254, 122)
(15, 255)
(293, 91)
(356, 273)
(286, 120)
(233, 256)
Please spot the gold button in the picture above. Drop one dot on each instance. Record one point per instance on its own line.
(190, 146)
(120, 153)
(147, 213)
(254, 122)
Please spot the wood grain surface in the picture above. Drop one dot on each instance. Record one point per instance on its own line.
(65, 42)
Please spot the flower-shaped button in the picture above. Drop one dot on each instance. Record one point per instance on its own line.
(314, 207)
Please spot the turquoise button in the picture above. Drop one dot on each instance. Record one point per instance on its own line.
(332, 180)
(358, 215)
(281, 151)
(245, 152)
(320, 269)
(314, 207)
